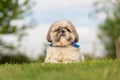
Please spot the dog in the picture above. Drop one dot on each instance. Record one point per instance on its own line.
(62, 34)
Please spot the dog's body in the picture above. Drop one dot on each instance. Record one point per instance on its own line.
(61, 35)
(63, 55)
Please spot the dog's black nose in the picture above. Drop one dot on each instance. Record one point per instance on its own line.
(63, 31)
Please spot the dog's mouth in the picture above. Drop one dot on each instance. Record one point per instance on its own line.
(59, 36)
(62, 34)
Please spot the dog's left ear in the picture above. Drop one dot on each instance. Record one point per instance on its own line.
(76, 38)
(75, 34)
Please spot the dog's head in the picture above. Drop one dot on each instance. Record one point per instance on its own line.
(62, 33)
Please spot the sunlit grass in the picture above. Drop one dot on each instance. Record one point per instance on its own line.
(89, 70)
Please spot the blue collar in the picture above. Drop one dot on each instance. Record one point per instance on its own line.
(73, 44)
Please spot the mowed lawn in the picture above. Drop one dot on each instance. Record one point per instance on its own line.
(89, 70)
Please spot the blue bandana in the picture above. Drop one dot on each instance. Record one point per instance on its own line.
(75, 45)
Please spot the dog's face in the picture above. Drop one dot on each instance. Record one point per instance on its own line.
(62, 33)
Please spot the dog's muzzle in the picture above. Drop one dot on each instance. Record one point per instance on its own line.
(63, 31)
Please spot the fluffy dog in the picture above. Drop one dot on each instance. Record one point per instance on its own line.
(61, 35)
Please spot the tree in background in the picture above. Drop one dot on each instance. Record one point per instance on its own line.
(11, 10)
(109, 30)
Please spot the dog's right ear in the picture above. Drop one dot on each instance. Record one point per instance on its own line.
(48, 36)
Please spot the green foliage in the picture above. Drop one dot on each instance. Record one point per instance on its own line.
(11, 10)
(14, 59)
(89, 70)
(110, 29)
(110, 32)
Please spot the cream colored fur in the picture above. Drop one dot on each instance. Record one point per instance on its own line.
(63, 55)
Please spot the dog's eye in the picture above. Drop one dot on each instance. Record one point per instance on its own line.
(55, 30)
(69, 30)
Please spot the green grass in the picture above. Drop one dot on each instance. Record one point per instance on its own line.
(89, 70)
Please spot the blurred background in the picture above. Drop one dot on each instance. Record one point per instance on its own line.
(24, 25)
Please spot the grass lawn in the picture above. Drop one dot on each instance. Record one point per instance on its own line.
(89, 70)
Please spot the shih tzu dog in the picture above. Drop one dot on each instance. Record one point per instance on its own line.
(63, 48)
